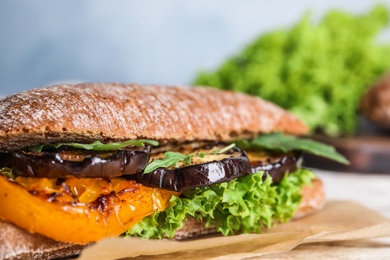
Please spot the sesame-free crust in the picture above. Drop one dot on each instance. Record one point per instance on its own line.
(112, 112)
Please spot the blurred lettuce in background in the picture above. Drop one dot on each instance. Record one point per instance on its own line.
(319, 71)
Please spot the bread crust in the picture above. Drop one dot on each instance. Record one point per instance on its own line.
(107, 112)
(313, 199)
(16, 243)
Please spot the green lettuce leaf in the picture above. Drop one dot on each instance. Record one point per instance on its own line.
(319, 68)
(284, 143)
(99, 146)
(244, 205)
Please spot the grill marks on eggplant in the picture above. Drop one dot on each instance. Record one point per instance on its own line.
(128, 163)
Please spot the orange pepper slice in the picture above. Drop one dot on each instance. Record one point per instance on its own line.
(78, 210)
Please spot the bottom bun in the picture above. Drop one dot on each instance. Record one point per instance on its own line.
(313, 199)
(16, 243)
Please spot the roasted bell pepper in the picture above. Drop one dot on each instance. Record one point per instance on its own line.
(78, 210)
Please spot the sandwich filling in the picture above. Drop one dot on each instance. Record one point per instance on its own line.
(139, 187)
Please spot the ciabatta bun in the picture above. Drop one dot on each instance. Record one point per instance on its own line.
(90, 112)
(116, 112)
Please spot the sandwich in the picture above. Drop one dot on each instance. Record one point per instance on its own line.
(80, 163)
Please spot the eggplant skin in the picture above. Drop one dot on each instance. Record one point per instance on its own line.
(198, 175)
(279, 167)
(89, 164)
(225, 170)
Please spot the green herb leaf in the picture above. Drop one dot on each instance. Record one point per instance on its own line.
(202, 154)
(284, 143)
(99, 146)
(170, 159)
(245, 204)
(7, 172)
(37, 149)
(223, 150)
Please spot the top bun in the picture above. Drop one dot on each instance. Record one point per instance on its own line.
(113, 112)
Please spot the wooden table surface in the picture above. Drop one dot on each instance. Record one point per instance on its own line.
(370, 190)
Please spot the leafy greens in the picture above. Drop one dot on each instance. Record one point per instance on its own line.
(245, 204)
(7, 172)
(170, 159)
(224, 149)
(318, 71)
(285, 143)
(99, 146)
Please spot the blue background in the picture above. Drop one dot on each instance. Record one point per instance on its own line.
(158, 42)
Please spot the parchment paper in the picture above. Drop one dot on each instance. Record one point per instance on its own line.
(338, 221)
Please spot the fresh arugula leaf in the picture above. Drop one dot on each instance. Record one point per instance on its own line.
(202, 154)
(170, 159)
(7, 172)
(99, 146)
(36, 149)
(284, 143)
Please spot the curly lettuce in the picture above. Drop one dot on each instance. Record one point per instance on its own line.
(244, 205)
(317, 70)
